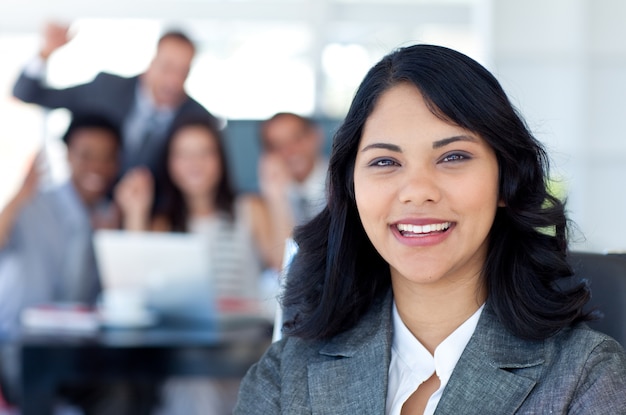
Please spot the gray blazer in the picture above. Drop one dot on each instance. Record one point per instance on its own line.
(108, 95)
(577, 371)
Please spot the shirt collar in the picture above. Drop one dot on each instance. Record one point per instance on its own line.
(74, 208)
(446, 355)
(146, 105)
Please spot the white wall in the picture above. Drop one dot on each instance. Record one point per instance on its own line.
(563, 62)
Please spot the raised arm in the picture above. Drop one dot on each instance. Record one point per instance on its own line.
(11, 210)
(30, 86)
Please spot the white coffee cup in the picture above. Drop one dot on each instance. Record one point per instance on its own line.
(124, 306)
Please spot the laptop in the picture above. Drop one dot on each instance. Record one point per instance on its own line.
(168, 274)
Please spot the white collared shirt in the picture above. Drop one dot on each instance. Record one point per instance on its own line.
(412, 364)
(145, 116)
(145, 126)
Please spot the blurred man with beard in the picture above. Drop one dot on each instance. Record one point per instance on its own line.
(292, 173)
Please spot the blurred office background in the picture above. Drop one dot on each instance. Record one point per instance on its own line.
(562, 62)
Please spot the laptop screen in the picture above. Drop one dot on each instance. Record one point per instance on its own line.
(171, 271)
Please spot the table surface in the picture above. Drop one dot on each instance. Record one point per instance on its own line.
(225, 349)
(168, 333)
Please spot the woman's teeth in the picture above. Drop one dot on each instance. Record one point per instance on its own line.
(406, 228)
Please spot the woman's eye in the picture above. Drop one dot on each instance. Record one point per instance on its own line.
(454, 157)
(383, 163)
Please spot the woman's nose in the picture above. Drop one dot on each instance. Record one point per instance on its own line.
(419, 186)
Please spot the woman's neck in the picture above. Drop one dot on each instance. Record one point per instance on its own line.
(433, 312)
(200, 205)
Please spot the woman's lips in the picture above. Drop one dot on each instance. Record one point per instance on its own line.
(427, 233)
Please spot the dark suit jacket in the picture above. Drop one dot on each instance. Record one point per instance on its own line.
(108, 95)
(577, 371)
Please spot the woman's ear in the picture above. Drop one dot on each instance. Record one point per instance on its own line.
(501, 203)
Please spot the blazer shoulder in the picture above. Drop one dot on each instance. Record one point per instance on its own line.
(593, 364)
(582, 339)
(301, 352)
(369, 335)
(277, 380)
(584, 354)
(192, 108)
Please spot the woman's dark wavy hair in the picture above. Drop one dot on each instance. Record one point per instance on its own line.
(173, 206)
(337, 273)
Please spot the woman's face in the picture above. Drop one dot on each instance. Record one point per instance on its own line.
(194, 161)
(426, 191)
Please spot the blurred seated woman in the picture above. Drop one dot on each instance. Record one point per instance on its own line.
(197, 197)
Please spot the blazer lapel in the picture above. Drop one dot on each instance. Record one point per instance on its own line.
(351, 376)
(484, 380)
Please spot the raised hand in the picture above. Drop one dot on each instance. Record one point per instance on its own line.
(55, 35)
(134, 195)
(274, 177)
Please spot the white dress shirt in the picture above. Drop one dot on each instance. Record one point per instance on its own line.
(145, 122)
(412, 364)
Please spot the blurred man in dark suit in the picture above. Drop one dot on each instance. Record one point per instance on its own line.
(144, 106)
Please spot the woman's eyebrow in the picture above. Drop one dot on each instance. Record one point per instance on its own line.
(384, 146)
(444, 142)
(436, 144)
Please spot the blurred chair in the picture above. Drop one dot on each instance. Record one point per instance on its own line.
(606, 274)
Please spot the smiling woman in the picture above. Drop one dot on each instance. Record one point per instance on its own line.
(421, 182)
(428, 282)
